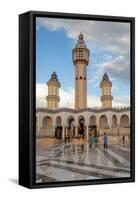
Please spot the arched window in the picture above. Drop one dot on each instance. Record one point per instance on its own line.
(80, 53)
(80, 77)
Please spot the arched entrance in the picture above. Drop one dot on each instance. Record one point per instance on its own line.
(124, 125)
(81, 128)
(114, 130)
(47, 127)
(93, 126)
(124, 121)
(58, 129)
(93, 120)
(103, 125)
(70, 127)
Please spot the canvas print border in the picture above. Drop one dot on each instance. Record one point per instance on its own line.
(29, 177)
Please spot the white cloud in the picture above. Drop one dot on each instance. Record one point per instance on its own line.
(121, 101)
(93, 101)
(117, 68)
(109, 44)
(67, 98)
(41, 92)
(110, 40)
(92, 30)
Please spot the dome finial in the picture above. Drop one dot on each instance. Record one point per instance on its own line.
(105, 77)
(80, 36)
(54, 77)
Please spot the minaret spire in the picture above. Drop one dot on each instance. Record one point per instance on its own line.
(105, 85)
(80, 56)
(53, 92)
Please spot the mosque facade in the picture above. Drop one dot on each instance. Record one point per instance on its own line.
(62, 123)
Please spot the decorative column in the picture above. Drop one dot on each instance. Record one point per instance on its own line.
(87, 132)
(110, 126)
(54, 128)
(38, 126)
(118, 125)
(76, 131)
(97, 125)
(63, 133)
(38, 132)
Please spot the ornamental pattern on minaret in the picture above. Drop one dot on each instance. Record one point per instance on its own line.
(53, 92)
(105, 85)
(80, 56)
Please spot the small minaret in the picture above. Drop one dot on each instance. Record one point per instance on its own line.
(53, 92)
(80, 56)
(106, 97)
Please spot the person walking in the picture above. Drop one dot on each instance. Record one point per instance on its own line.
(95, 140)
(105, 138)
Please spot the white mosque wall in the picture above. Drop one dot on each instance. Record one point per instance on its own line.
(104, 122)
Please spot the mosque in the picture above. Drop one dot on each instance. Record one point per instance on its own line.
(62, 123)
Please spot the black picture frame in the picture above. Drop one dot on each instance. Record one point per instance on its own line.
(27, 98)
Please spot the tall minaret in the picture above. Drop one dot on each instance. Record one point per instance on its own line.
(53, 92)
(80, 56)
(106, 97)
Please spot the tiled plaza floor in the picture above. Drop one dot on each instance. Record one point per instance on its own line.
(67, 162)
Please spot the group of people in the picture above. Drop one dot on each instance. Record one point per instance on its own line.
(93, 140)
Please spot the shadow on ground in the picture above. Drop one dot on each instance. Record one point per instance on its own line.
(13, 180)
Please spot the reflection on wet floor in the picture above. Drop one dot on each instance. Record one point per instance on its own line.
(67, 162)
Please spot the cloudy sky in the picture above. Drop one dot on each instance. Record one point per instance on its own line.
(109, 45)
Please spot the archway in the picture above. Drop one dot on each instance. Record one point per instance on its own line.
(71, 127)
(92, 125)
(124, 121)
(124, 126)
(81, 128)
(114, 129)
(58, 129)
(114, 121)
(47, 127)
(93, 120)
(103, 121)
(103, 125)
